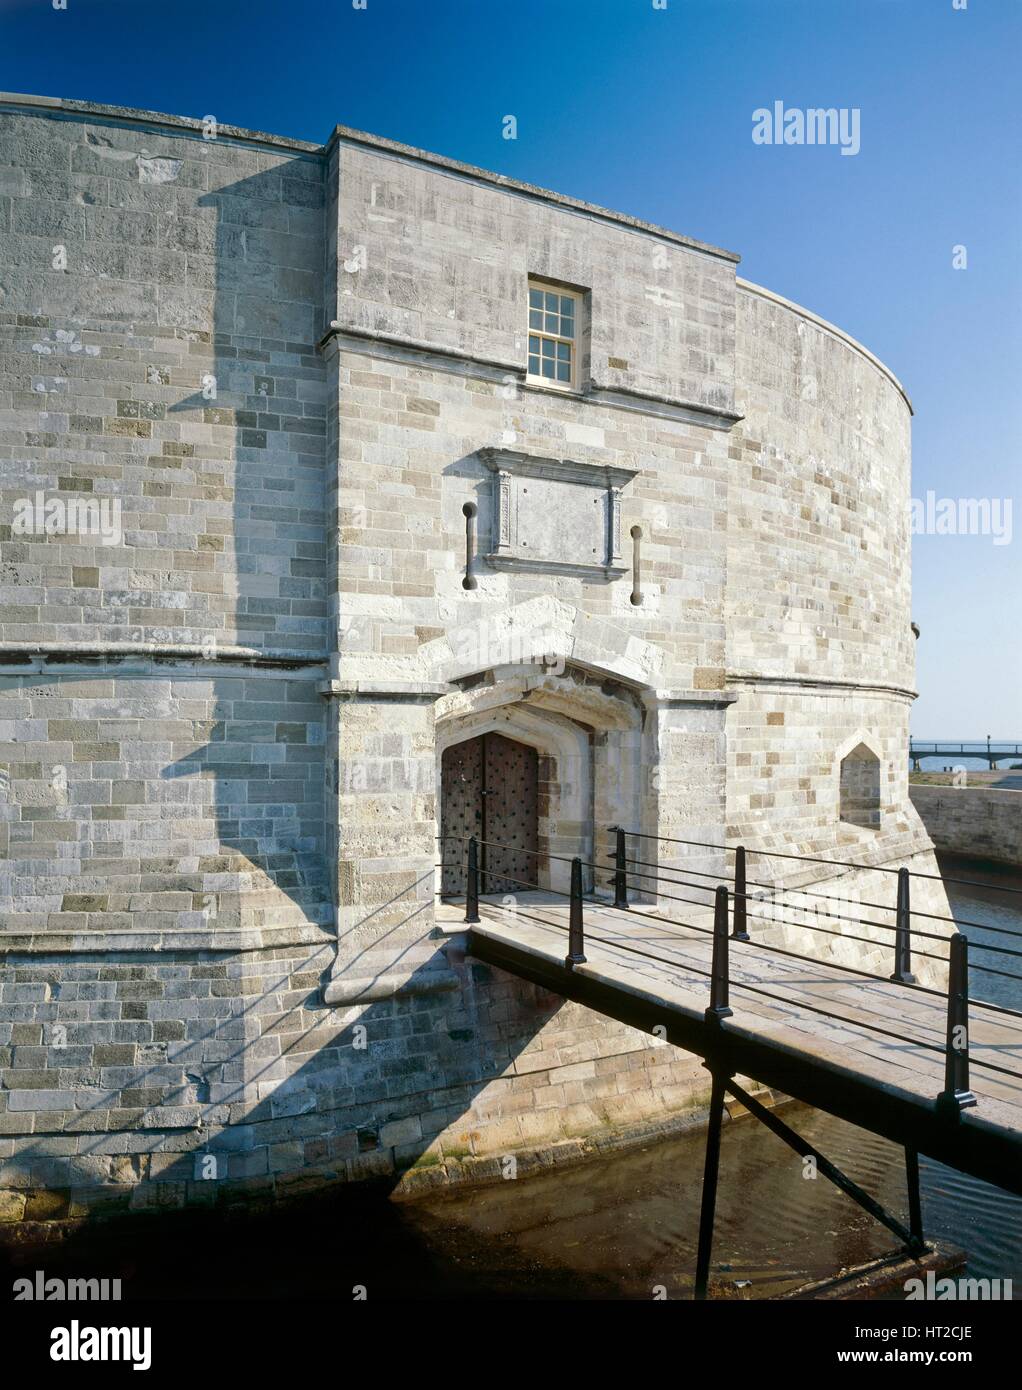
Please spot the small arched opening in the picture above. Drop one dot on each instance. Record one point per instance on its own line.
(860, 788)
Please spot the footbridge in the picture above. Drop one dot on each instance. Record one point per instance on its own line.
(991, 751)
(937, 1071)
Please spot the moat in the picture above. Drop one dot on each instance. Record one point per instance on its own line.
(614, 1228)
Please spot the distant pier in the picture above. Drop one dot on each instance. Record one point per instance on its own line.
(991, 752)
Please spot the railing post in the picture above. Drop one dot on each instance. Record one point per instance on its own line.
(719, 969)
(740, 930)
(472, 884)
(903, 933)
(576, 943)
(620, 869)
(956, 1095)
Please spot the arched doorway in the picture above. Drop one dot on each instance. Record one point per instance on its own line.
(489, 788)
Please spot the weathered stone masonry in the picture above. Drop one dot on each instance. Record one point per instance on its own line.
(222, 722)
(985, 822)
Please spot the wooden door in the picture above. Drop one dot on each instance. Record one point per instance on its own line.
(461, 810)
(489, 788)
(510, 784)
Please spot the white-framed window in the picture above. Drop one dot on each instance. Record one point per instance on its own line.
(554, 318)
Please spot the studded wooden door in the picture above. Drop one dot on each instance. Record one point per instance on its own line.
(461, 809)
(510, 783)
(489, 788)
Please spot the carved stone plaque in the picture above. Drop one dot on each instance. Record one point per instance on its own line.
(555, 514)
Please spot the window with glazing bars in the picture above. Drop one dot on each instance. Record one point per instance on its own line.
(553, 335)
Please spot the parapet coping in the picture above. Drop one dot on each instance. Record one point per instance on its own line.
(827, 327)
(129, 115)
(342, 134)
(348, 135)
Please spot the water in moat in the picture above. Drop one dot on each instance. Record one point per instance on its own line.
(623, 1225)
(615, 1227)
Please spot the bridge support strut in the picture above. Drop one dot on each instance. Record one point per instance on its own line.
(708, 1208)
(911, 1236)
(915, 1206)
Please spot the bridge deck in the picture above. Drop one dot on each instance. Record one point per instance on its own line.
(646, 971)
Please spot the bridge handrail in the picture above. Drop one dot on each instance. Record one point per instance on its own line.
(814, 859)
(839, 916)
(963, 743)
(902, 929)
(829, 897)
(952, 1100)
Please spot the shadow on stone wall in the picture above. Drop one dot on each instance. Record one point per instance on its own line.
(278, 1093)
(190, 1054)
(264, 394)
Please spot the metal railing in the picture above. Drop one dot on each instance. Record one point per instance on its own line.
(977, 748)
(991, 751)
(731, 919)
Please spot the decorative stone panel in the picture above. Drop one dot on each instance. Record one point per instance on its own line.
(556, 515)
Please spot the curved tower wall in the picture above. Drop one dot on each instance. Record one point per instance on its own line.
(820, 646)
(164, 885)
(221, 713)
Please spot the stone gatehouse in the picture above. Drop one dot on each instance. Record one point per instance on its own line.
(353, 498)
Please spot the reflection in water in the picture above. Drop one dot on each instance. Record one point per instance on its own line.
(627, 1223)
(616, 1227)
(619, 1226)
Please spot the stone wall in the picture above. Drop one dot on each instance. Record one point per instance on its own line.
(158, 320)
(125, 1076)
(819, 565)
(163, 743)
(223, 705)
(178, 893)
(820, 646)
(981, 821)
(436, 253)
(819, 640)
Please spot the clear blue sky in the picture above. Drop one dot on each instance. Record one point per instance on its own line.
(650, 111)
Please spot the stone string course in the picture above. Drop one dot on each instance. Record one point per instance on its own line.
(220, 719)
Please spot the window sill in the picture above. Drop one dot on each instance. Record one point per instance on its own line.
(571, 392)
(640, 402)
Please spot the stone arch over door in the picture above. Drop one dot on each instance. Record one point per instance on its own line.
(588, 736)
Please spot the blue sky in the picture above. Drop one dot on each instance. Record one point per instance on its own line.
(650, 111)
